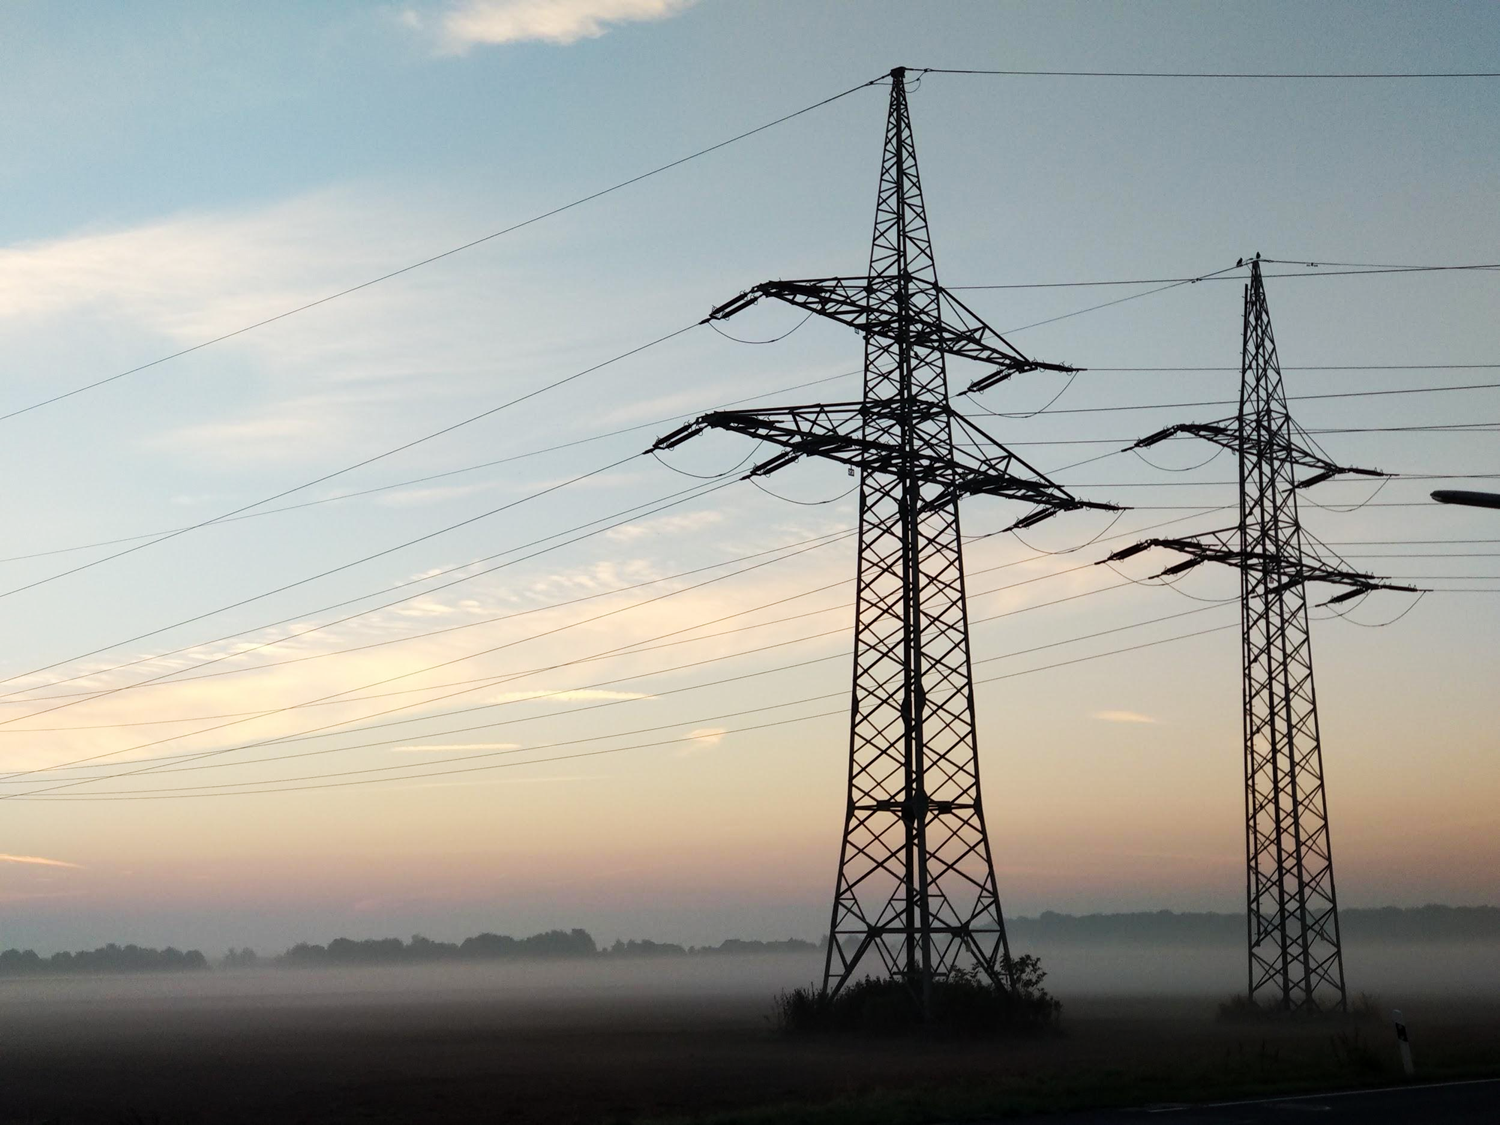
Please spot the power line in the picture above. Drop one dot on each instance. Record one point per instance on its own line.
(1429, 504)
(1455, 427)
(1203, 74)
(633, 512)
(351, 468)
(1397, 477)
(1171, 282)
(630, 649)
(343, 566)
(674, 498)
(1232, 402)
(597, 526)
(391, 679)
(436, 257)
(1317, 367)
(596, 753)
(716, 683)
(620, 734)
(1402, 542)
(175, 675)
(1121, 300)
(1444, 555)
(430, 477)
(813, 543)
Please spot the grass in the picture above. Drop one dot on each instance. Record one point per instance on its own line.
(1239, 1008)
(1262, 1070)
(1111, 1059)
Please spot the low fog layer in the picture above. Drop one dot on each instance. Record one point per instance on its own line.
(1075, 970)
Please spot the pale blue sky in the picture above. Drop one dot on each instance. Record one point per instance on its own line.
(175, 171)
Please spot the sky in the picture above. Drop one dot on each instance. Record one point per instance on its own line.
(175, 173)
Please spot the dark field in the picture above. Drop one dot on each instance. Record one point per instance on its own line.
(564, 1043)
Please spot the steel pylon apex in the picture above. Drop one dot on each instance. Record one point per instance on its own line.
(915, 896)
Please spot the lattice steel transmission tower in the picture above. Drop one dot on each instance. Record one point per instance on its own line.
(916, 882)
(1296, 960)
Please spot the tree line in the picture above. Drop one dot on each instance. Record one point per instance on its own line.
(1406, 924)
(342, 951)
(573, 943)
(109, 958)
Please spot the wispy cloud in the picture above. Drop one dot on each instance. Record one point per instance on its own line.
(475, 23)
(1123, 717)
(666, 525)
(325, 381)
(436, 747)
(40, 861)
(579, 695)
(470, 784)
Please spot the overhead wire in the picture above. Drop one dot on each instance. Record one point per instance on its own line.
(585, 530)
(7, 728)
(1289, 398)
(635, 647)
(825, 539)
(1119, 301)
(380, 683)
(597, 753)
(618, 650)
(1131, 648)
(1478, 267)
(300, 616)
(431, 258)
(692, 687)
(403, 447)
(772, 340)
(433, 476)
(1205, 74)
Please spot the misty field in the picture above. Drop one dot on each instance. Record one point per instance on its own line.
(674, 1039)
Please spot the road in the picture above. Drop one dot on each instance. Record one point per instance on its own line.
(1475, 1102)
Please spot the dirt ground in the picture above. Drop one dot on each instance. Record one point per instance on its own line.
(280, 1046)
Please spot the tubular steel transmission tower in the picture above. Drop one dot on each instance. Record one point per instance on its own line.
(1296, 961)
(916, 893)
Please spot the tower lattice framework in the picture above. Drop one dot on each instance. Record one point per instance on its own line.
(916, 895)
(1295, 953)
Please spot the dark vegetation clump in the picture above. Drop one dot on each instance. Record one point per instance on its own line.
(1239, 1008)
(965, 1003)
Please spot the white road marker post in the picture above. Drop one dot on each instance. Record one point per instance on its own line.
(1404, 1043)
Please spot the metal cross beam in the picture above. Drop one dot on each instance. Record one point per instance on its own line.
(840, 432)
(1266, 442)
(865, 304)
(1220, 547)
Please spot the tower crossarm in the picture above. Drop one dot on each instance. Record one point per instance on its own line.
(1278, 572)
(867, 305)
(843, 432)
(1227, 435)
